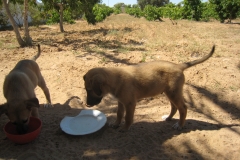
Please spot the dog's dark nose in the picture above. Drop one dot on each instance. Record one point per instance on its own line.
(91, 101)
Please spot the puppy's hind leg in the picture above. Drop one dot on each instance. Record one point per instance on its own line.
(172, 113)
(182, 108)
(177, 102)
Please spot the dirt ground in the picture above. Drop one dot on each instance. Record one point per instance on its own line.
(211, 91)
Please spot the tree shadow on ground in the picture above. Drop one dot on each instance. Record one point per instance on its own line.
(86, 38)
(104, 31)
(233, 23)
(145, 140)
(230, 107)
(87, 43)
(108, 57)
(238, 66)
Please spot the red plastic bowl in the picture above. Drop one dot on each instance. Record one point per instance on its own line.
(34, 128)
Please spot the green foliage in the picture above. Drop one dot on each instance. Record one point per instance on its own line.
(17, 10)
(3, 19)
(53, 17)
(101, 12)
(36, 13)
(67, 16)
(118, 8)
(172, 11)
(152, 13)
(208, 11)
(119, 5)
(87, 8)
(134, 11)
(78, 7)
(117, 11)
(226, 9)
(192, 9)
(156, 3)
(19, 2)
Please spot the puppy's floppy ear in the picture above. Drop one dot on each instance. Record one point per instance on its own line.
(3, 108)
(33, 102)
(97, 83)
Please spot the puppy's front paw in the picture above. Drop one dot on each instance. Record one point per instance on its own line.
(177, 126)
(166, 118)
(48, 105)
(113, 125)
(122, 130)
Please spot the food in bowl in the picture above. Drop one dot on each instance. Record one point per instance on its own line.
(34, 128)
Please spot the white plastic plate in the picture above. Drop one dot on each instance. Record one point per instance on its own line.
(88, 121)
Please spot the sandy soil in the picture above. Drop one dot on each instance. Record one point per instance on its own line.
(212, 89)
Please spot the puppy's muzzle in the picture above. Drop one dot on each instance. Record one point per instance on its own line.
(22, 128)
(91, 101)
(89, 105)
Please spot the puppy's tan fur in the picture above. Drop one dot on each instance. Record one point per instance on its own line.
(131, 83)
(18, 89)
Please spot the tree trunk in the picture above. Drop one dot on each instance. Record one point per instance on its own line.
(61, 16)
(15, 27)
(28, 39)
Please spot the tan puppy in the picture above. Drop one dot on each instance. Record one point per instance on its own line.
(131, 83)
(18, 89)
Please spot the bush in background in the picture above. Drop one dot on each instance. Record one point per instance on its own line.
(101, 12)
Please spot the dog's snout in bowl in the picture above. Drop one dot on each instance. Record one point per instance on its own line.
(22, 128)
(31, 132)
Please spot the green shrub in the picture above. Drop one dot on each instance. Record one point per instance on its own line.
(152, 13)
(53, 17)
(117, 11)
(101, 12)
(226, 9)
(192, 9)
(172, 11)
(134, 11)
(3, 20)
(208, 12)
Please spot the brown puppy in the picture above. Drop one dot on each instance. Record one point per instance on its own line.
(18, 89)
(131, 83)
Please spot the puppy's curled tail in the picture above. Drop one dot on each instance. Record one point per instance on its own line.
(195, 62)
(38, 54)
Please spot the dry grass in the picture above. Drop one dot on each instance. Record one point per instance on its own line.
(212, 90)
(125, 36)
